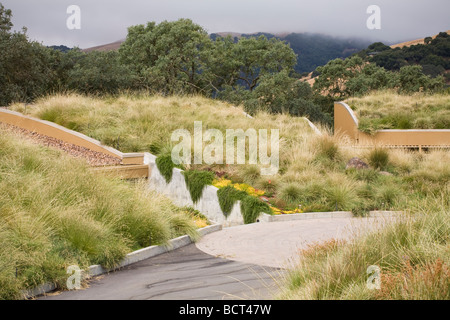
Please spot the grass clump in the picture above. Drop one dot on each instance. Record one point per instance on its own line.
(379, 158)
(291, 194)
(252, 207)
(196, 181)
(228, 196)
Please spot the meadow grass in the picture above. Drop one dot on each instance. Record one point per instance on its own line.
(56, 212)
(389, 110)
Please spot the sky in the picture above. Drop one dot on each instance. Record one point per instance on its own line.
(106, 21)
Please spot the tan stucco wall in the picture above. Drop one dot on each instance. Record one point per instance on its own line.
(53, 130)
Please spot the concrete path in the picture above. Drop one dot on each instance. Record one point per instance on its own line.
(183, 274)
(276, 244)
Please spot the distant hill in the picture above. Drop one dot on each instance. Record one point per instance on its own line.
(61, 48)
(412, 42)
(106, 47)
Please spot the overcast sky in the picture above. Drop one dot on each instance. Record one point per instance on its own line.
(105, 21)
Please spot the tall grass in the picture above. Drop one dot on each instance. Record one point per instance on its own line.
(55, 212)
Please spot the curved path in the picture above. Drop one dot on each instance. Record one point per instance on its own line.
(276, 244)
(242, 262)
(183, 274)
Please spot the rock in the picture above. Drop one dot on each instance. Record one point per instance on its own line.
(356, 163)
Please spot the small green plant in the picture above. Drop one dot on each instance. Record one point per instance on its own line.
(228, 197)
(196, 181)
(251, 208)
(165, 165)
(379, 158)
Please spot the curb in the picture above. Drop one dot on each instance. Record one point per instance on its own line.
(385, 214)
(304, 216)
(133, 257)
(152, 251)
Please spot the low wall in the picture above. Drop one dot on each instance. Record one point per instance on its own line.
(178, 192)
(346, 124)
(56, 131)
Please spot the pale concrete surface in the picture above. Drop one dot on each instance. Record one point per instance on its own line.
(276, 244)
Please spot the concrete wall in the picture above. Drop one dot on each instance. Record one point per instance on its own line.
(346, 124)
(177, 191)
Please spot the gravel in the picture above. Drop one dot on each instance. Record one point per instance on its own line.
(93, 158)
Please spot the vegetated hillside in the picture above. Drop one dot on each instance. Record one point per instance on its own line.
(313, 50)
(312, 168)
(389, 110)
(55, 212)
(433, 55)
(106, 47)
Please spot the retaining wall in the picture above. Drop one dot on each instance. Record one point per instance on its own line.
(346, 124)
(178, 192)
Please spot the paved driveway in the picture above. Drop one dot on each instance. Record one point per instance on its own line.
(242, 262)
(183, 274)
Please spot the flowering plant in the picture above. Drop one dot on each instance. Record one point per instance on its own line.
(221, 183)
